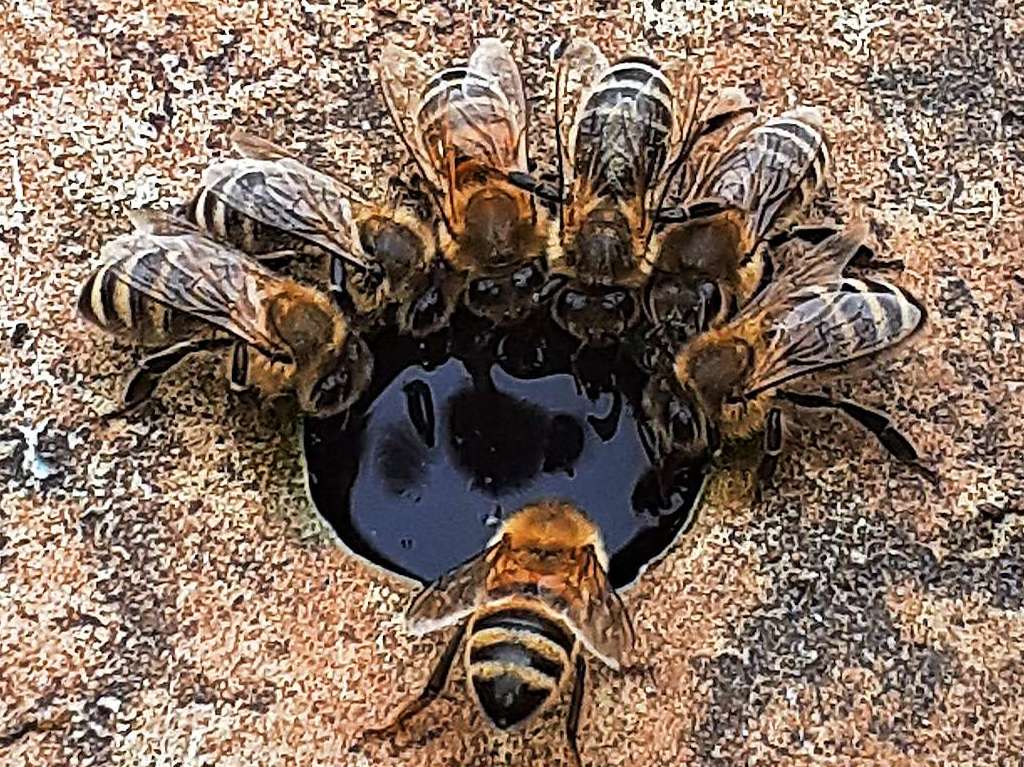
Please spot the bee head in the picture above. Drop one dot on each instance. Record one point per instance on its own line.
(597, 315)
(677, 426)
(339, 381)
(429, 310)
(603, 246)
(685, 304)
(508, 297)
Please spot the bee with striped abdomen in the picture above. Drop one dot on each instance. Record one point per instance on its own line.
(526, 607)
(385, 255)
(621, 133)
(167, 284)
(705, 260)
(727, 382)
(466, 127)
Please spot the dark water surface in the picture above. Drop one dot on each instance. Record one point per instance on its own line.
(457, 433)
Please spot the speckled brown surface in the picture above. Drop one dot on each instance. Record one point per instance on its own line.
(167, 596)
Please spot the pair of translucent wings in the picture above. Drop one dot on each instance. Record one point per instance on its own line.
(171, 261)
(620, 121)
(811, 318)
(763, 168)
(475, 112)
(275, 188)
(597, 616)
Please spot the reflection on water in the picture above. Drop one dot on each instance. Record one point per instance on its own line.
(456, 433)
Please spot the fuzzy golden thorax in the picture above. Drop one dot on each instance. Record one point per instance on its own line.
(711, 247)
(551, 527)
(329, 367)
(603, 242)
(496, 226)
(714, 364)
(401, 243)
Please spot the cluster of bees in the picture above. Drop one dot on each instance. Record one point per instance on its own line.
(666, 212)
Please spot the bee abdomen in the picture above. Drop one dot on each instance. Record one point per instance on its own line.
(625, 125)
(460, 106)
(517, 660)
(112, 305)
(225, 223)
(774, 171)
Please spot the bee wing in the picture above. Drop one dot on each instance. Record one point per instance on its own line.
(770, 169)
(832, 327)
(284, 193)
(171, 261)
(684, 100)
(599, 618)
(800, 268)
(256, 148)
(454, 595)
(403, 77)
(501, 121)
(577, 69)
(723, 117)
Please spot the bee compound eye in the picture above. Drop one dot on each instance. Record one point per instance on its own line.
(485, 288)
(529, 277)
(682, 423)
(574, 300)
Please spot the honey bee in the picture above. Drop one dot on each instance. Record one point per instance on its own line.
(529, 603)
(727, 382)
(167, 284)
(466, 127)
(705, 259)
(622, 134)
(384, 257)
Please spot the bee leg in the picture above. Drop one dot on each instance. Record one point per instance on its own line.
(877, 422)
(773, 434)
(572, 722)
(146, 376)
(542, 190)
(434, 687)
(276, 259)
(238, 370)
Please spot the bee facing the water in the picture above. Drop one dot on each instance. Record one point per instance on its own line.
(466, 127)
(621, 134)
(704, 260)
(386, 255)
(727, 382)
(527, 606)
(168, 284)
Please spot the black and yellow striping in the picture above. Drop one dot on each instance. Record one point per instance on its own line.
(209, 212)
(110, 303)
(776, 168)
(624, 128)
(518, 658)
